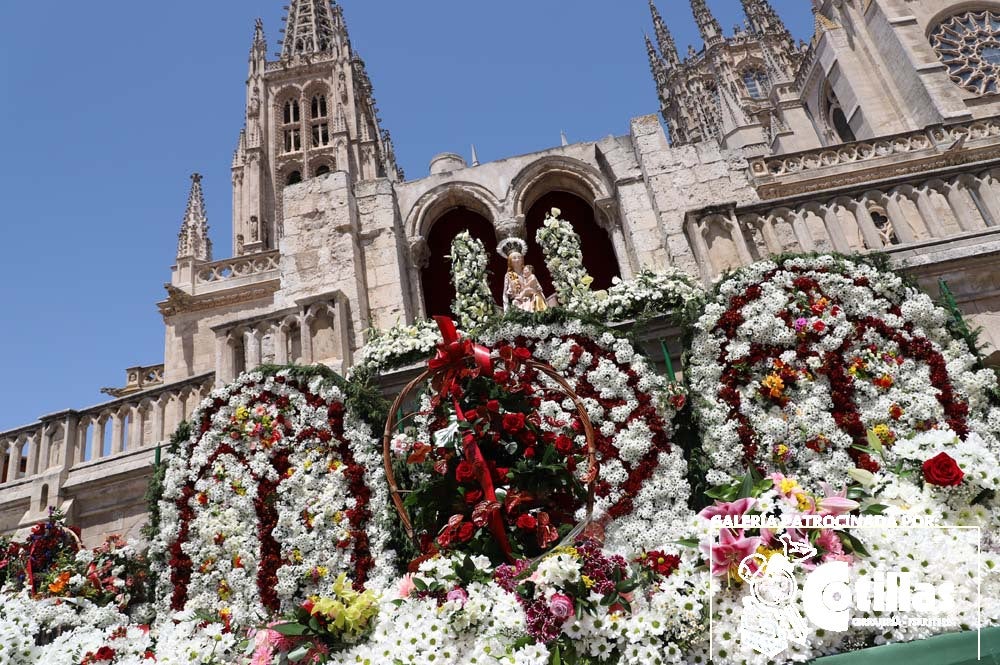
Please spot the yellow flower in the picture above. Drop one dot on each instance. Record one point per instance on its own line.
(241, 413)
(787, 485)
(566, 549)
(805, 503)
(587, 582)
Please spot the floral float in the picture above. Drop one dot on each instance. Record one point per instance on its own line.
(474, 304)
(794, 364)
(281, 453)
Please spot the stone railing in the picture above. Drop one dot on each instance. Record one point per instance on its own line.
(875, 217)
(70, 439)
(939, 146)
(136, 379)
(229, 270)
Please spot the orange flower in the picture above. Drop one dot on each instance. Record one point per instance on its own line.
(774, 384)
(884, 382)
(59, 585)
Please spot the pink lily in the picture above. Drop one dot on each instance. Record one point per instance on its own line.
(733, 508)
(836, 503)
(729, 552)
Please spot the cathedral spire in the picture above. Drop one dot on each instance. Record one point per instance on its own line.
(312, 27)
(762, 18)
(664, 39)
(707, 24)
(193, 241)
(655, 63)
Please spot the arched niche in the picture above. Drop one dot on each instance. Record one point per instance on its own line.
(598, 252)
(435, 277)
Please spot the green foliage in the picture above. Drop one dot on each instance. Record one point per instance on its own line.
(961, 329)
(154, 491)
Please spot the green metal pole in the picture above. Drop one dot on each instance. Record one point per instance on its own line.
(666, 359)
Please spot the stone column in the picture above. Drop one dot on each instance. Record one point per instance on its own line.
(897, 217)
(834, 228)
(158, 412)
(71, 437)
(868, 229)
(922, 198)
(802, 233)
(117, 433)
(962, 205)
(988, 195)
(739, 240)
(136, 427)
(223, 359)
(770, 237)
(35, 452)
(701, 253)
(252, 340)
(97, 440)
(305, 335)
(281, 343)
(13, 461)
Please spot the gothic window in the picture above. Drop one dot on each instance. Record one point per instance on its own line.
(318, 106)
(884, 226)
(291, 133)
(836, 118)
(323, 170)
(320, 135)
(294, 178)
(969, 46)
(757, 83)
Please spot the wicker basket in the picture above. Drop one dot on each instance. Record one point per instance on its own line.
(543, 368)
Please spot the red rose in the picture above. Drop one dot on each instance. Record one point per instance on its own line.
(529, 453)
(513, 422)
(501, 376)
(493, 405)
(526, 522)
(465, 532)
(522, 354)
(464, 472)
(501, 472)
(473, 496)
(564, 444)
(819, 326)
(943, 470)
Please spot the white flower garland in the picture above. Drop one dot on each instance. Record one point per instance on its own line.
(564, 259)
(260, 433)
(474, 304)
(391, 348)
(792, 365)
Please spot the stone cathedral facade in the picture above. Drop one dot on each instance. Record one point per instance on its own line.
(880, 134)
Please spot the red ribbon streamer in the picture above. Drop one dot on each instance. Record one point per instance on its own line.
(451, 363)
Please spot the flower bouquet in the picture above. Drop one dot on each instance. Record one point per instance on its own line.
(487, 472)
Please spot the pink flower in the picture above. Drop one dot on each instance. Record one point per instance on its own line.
(836, 503)
(406, 586)
(800, 324)
(829, 541)
(561, 606)
(729, 552)
(733, 508)
(458, 594)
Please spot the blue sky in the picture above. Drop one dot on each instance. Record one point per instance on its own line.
(108, 107)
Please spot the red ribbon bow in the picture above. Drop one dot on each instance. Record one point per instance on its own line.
(451, 364)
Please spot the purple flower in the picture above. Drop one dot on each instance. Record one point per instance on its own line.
(800, 324)
(459, 594)
(561, 606)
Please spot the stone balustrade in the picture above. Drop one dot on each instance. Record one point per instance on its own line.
(316, 330)
(227, 271)
(938, 146)
(879, 218)
(70, 439)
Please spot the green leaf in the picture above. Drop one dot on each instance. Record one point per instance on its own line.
(687, 542)
(874, 509)
(853, 544)
(556, 657)
(875, 442)
(299, 652)
(746, 487)
(294, 629)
